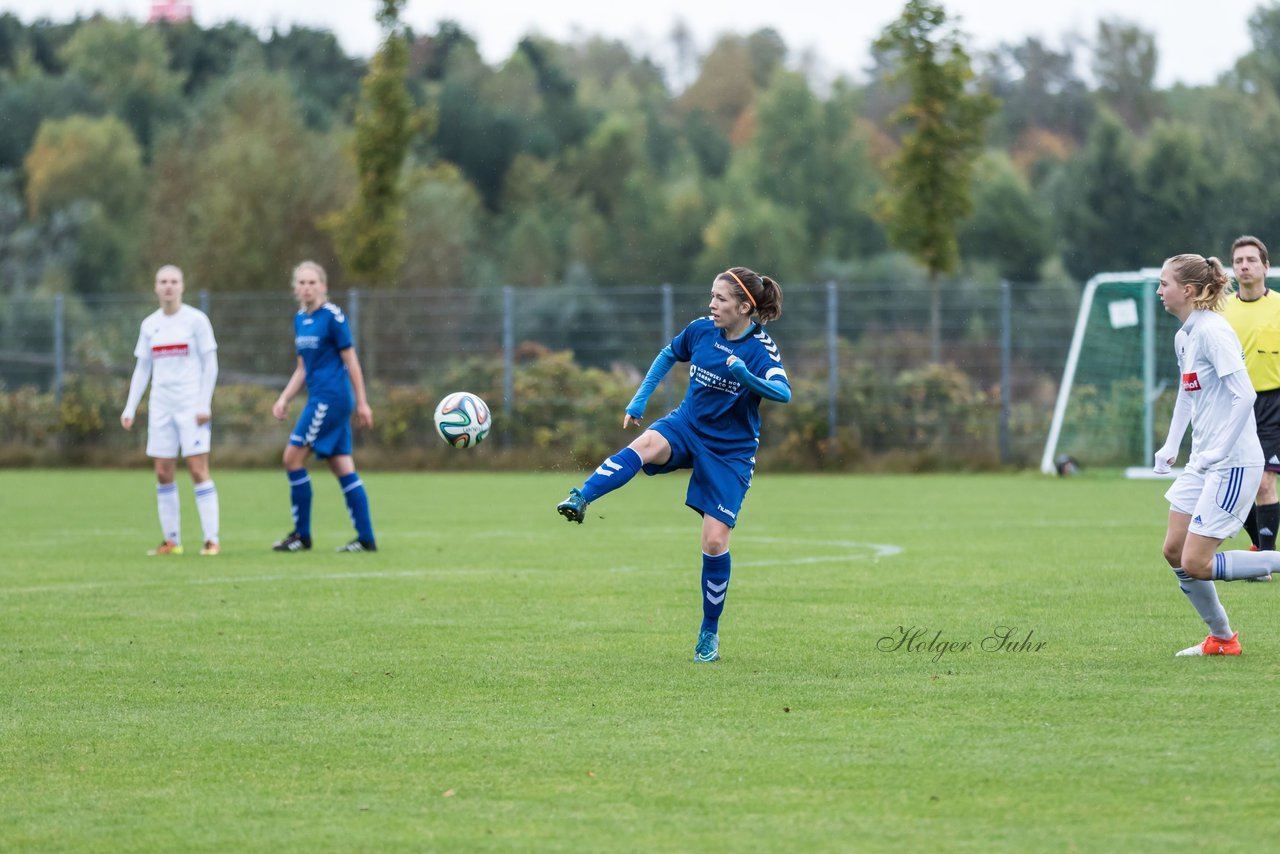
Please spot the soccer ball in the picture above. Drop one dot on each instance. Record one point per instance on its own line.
(463, 419)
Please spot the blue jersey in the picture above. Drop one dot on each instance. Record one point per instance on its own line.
(320, 338)
(724, 413)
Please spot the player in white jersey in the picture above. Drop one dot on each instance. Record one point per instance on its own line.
(178, 355)
(1209, 500)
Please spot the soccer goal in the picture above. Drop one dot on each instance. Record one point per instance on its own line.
(1119, 372)
(1118, 386)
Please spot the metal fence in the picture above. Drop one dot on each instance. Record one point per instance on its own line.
(1011, 339)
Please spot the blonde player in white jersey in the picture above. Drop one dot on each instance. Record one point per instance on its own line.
(178, 355)
(1209, 500)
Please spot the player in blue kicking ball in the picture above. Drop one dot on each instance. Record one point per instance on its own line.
(733, 365)
(328, 365)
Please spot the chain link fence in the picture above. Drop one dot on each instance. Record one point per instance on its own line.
(845, 347)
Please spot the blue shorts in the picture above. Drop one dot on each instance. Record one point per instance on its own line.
(719, 483)
(325, 428)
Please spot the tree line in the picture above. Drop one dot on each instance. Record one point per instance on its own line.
(235, 153)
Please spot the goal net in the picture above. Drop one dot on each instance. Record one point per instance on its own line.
(1118, 385)
(1120, 381)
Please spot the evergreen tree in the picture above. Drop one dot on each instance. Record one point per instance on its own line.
(370, 234)
(931, 174)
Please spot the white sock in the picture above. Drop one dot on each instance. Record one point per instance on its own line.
(170, 513)
(207, 505)
(1233, 566)
(1204, 598)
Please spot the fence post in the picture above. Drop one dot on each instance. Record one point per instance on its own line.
(59, 349)
(508, 362)
(668, 332)
(353, 316)
(833, 361)
(368, 358)
(1006, 370)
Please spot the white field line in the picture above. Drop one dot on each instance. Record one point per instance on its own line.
(850, 550)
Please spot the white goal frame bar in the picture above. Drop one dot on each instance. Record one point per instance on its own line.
(1047, 464)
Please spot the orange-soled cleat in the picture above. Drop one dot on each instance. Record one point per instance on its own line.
(1215, 646)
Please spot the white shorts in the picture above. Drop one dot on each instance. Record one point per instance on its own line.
(169, 432)
(1217, 501)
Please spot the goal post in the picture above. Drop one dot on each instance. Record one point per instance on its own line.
(1118, 385)
(1105, 412)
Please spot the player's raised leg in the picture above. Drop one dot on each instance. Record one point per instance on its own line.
(614, 473)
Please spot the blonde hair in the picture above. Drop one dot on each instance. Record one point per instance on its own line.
(1206, 275)
(316, 268)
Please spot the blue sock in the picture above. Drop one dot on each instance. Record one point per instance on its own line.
(612, 473)
(300, 500)
(715, 586)
(357, 505)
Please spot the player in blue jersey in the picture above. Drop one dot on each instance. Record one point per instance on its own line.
(328, 365)
(733, 365)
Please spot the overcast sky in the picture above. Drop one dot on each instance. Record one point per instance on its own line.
(1197, 39)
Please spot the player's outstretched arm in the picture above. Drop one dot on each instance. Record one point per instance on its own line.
(661, 366)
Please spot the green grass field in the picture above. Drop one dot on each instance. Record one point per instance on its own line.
(495, 678)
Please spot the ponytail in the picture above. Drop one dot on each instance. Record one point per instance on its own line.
(762, 293)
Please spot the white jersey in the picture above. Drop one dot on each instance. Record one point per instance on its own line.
(1208, 350)
(178, 345)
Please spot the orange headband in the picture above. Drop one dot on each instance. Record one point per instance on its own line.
(744, 287)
